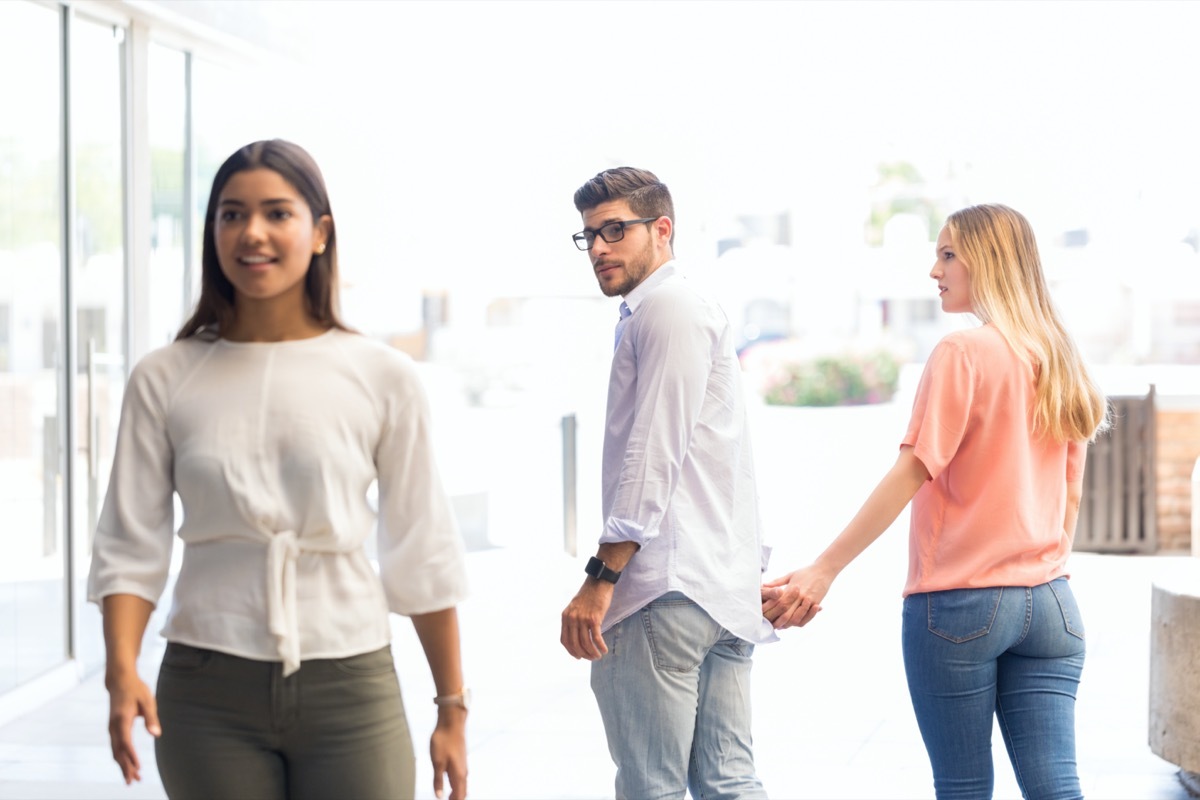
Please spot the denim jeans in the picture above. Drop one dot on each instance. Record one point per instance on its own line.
(1014, 652)
(674, 694)
(236, 728)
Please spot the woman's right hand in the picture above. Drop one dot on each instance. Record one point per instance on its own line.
(128, 698)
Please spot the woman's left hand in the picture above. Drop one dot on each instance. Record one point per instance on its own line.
(795, 598)
(448, 750)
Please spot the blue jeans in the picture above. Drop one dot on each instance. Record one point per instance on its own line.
(1013, 651)
(674, 694)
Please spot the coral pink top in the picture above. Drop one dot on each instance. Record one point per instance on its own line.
(992, 513)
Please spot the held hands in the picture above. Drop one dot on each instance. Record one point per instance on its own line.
(448, 750)
(582, 618)
(795, 599)
(129, 697)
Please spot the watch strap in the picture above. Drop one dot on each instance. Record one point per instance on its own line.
(462, 699)
(601, 571)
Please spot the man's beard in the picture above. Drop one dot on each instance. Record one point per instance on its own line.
(636, 269)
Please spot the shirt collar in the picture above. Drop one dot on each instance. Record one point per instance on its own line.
(639, 292)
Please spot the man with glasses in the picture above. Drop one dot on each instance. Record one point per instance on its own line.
(671, 609)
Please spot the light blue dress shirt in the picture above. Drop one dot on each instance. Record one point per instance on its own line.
(678, 469)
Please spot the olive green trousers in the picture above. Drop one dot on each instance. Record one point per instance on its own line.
(236, 728)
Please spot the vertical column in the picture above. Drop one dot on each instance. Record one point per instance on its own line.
(569, 482)
(137, 182)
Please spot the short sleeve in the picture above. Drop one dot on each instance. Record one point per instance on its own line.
(131, 553)
(421, 559)
(942, 407)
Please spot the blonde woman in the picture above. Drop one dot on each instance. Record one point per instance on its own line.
(993, 461)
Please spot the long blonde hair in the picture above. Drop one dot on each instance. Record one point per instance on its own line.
(1008, 291)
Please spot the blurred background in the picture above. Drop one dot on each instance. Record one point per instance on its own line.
(813, 150)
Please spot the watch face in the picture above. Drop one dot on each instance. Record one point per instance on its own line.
(600, 571)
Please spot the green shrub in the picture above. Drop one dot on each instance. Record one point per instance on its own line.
(844, 380)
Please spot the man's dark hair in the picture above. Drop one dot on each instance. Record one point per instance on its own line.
(646, 194)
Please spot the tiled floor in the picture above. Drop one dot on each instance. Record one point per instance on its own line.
(832, 715)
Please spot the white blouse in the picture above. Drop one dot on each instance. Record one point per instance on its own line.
(272, 448)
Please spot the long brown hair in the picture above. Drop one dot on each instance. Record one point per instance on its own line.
(215, 310)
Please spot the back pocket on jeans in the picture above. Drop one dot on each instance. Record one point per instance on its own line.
(960, 615)
(1066, 603)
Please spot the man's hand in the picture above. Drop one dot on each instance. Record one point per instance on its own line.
(582, 619)
(129, 697)
(795, 598)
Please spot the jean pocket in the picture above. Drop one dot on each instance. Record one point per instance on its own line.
(679, 633)
(365, 665)
(1072, 619)
(960, 615)
(185, 659)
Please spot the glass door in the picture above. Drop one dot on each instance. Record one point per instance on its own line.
(98, 281)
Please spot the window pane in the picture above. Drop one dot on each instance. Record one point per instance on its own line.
(167, 78)
(32, 594)
(236, 104)
(228, 114)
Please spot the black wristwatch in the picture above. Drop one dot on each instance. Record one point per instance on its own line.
(600, 571)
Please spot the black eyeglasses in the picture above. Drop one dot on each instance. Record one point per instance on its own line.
(610, 232)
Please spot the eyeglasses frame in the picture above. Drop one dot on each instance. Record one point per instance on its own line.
(622, 223)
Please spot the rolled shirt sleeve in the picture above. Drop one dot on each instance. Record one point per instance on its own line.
(674, 365)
